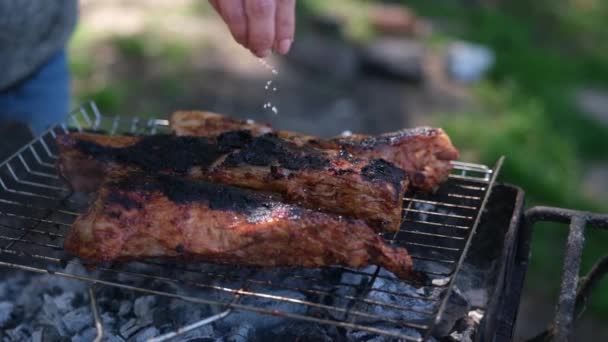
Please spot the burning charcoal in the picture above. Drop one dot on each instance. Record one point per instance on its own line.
(458, 307)
(365, 336)
(64, 301)
(471, 282)
(85, 336)
(107, 319)
(198, 334)
(393, 292)
(242, 333)
(6, 313)
(300, 331)
(20, 333)
(145, 334)
(3, 289)
(50, 333)
(109, 337)
(125, 308)
(76, 320)
(67, 284)
(30, 297)
(129, 328)
(37, 336)
(265, 321)
(52, 315)
(143, 306)
(352, 278)
(183, 313)
(160, 318)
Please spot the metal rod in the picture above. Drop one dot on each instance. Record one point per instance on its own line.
(38, 159)
(599, 270)
(438, 214)
(35, 184)
(475, 198)
(25, 193)
(36, 219)
(561, 215)
(114, 128)
(37, 173)
(439, 236)
(19, 204)
(470, 179)
(572, 262)
(47, 149)
(85, 115)
(466, 248)
(440, 204)
(35, 231)
(190, 327)
(76, 123)
(438, 224)
(97, 114)
(567, 303)
(134, 124)
(96, 318)
(589, 282)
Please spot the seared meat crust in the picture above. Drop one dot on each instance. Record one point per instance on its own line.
(329, 180)
(424, 153)
(138, 215)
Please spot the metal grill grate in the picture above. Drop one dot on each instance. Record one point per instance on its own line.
(36, 212)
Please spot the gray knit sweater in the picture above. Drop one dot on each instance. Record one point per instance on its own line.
(31, 31)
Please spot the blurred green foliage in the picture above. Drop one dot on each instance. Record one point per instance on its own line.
(544, 49)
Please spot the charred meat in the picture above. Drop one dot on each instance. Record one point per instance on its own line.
(138, 215)
(425, 153)
(207, 124)
(329, 180)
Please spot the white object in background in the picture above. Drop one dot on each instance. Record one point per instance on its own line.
(467, 62)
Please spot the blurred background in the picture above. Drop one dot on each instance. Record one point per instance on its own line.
(528, 80)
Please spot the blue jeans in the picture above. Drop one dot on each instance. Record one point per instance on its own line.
(41, 100)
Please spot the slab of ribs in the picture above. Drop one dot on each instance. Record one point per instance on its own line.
(234, 191)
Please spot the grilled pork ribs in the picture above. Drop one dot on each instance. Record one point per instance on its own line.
(329, 180)
(424, 153)
(138, 215)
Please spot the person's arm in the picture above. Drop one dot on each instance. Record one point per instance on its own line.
(259, 25)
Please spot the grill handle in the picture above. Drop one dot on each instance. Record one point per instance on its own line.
(571, 298)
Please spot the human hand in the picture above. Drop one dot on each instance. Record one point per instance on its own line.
(259, 25)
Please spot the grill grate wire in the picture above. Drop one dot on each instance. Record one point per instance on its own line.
(36, 212)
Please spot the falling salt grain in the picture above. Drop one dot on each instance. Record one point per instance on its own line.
(269, 85)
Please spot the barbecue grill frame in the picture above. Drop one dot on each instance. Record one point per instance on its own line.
(82, 119)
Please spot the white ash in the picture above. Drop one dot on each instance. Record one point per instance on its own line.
(52, 308)
(6, 313)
